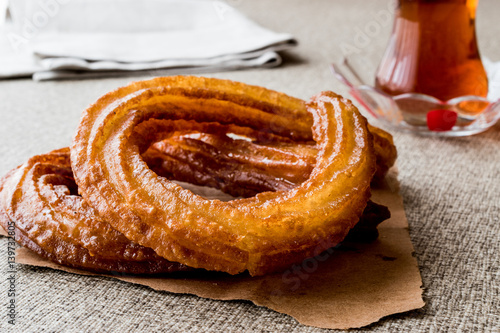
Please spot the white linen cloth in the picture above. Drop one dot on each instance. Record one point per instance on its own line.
(54, 39)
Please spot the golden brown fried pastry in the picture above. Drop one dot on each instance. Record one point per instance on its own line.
(384, 150)
(261, 234)
(52, 220)
(79, 238)
(305, 170)
(242, 167)
(236, 167)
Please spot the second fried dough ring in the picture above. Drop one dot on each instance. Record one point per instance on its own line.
(39, 196)
(244, 166)
(260, 234)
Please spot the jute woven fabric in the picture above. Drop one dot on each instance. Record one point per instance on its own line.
(450, 187)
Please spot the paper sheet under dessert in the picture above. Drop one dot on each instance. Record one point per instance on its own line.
(350, 286)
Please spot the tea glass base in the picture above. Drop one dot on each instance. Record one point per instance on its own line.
(422, 114)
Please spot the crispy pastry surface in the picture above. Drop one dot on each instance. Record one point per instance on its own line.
(244, 167)
(52, 220)
(304, 171)
(77, 237)
(261, 234)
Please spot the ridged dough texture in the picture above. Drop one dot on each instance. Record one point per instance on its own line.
(244, 166)
(50, 218)
(261, 234)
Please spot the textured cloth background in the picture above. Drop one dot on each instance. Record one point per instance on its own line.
(451, 191)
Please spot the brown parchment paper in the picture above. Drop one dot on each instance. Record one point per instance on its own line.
(353, 286)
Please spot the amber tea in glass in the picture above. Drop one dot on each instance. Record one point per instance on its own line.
(433, 50)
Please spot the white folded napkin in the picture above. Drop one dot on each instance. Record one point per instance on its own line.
(54, 39)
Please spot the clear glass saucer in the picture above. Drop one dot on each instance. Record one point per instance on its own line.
(419, 113)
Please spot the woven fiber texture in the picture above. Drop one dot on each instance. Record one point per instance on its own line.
(450, 188)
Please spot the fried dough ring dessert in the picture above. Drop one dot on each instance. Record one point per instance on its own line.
(80, 239)
(261, 234)
(51, 220)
